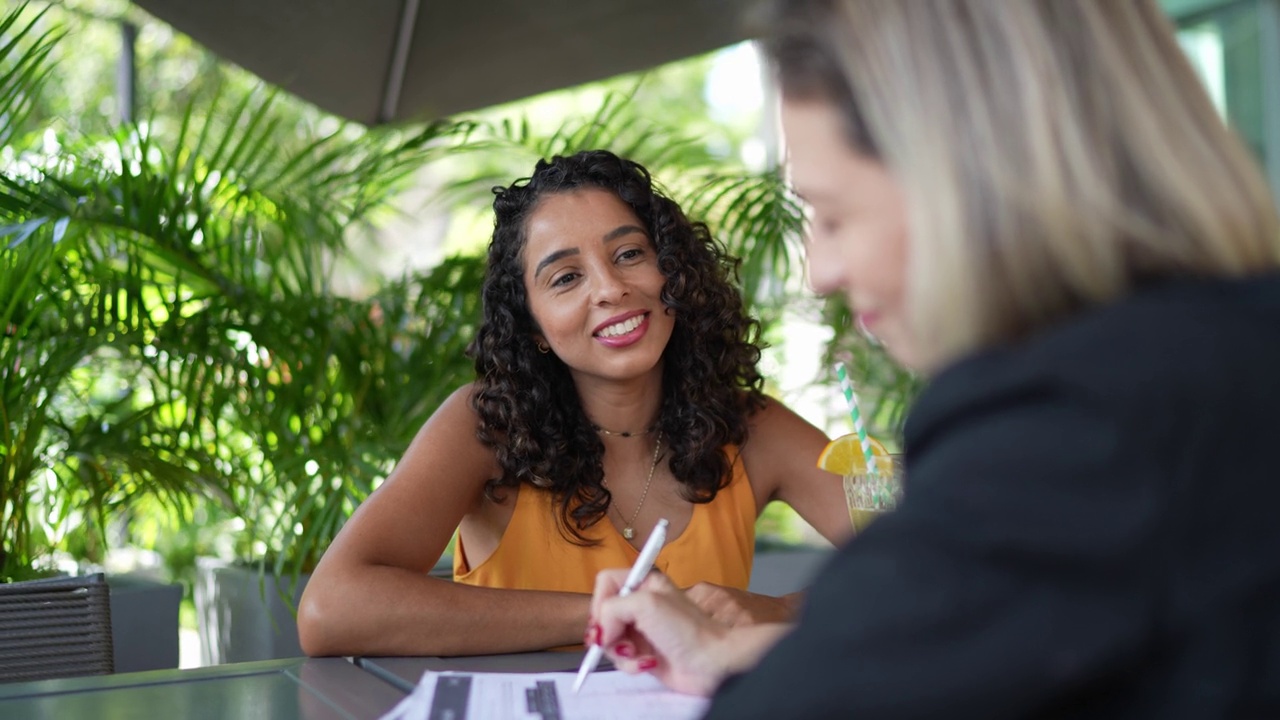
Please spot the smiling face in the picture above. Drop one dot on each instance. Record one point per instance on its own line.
(594, 288)
(857, 237)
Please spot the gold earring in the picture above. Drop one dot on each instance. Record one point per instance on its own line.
(543, 347)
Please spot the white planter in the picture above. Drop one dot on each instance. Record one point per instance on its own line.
(242, 616)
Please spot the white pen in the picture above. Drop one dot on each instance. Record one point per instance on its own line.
(644, 563)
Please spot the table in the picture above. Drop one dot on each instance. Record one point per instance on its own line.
(308, 689)
(405, 672)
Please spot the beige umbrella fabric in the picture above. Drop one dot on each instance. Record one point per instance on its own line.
(380, 61)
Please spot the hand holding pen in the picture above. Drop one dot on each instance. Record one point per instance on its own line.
(650, 625)
(642, 566)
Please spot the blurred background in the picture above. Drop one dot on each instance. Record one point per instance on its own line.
(224, 311)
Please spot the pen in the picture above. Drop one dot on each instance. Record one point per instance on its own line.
(643, 564)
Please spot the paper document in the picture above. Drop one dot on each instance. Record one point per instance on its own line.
(609, 695)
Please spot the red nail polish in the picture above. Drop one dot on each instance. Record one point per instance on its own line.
(624, 650)
(647, 664)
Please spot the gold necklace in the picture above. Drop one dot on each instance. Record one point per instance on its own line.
(629, 531)
(622, 433)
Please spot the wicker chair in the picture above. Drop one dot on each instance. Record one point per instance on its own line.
(55, 628)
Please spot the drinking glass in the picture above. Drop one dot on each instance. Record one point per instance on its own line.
(870, 495)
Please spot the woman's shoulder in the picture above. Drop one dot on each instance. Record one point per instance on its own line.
(456, 411)
(771, 419)
(452, 430)
(776, 434)
(464, 393)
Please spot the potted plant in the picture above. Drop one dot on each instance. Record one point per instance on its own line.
(168, 321)
(76, 443)
(341, 397)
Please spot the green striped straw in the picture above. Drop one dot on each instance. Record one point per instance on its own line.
(847, 386)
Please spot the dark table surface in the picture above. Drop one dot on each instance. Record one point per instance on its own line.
(309, 689)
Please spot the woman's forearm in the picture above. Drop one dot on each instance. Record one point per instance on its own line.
(383, 610)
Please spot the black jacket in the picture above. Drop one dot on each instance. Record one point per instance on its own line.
(1091, 529)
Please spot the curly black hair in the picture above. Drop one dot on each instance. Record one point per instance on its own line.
(529, 409)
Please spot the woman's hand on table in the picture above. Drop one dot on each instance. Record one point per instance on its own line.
(735, 607)
(659, 629)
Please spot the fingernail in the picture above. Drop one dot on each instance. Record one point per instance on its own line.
(647, 664)
(624, 650)
(592, 637)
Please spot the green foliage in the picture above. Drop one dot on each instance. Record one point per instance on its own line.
(336, 428)
(38, 293)
(761, 222)
(778, 527)
(885, 389)
(494, 151)
(174, 73)
(24, 70)
(171, 332)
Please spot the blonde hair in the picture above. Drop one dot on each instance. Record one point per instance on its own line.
(1055, 154)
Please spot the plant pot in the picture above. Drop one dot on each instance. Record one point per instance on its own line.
(144, 622)
(242, 616)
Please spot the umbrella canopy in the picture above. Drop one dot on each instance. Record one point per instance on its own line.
(379, 61)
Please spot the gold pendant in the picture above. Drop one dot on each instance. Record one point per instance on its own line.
(628, 533)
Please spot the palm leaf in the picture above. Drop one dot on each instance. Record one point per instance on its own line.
(24, 67)
(504, 149)
(759, 221)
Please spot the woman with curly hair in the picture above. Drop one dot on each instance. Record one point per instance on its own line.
(616, 385)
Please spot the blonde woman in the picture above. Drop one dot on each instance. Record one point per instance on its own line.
(1034, 203)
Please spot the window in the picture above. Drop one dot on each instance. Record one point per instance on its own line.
(1235, 46)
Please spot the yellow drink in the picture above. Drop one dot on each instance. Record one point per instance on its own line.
(862, 518)
(871, 495)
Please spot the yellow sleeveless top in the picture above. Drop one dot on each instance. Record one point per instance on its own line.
(717, 546)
